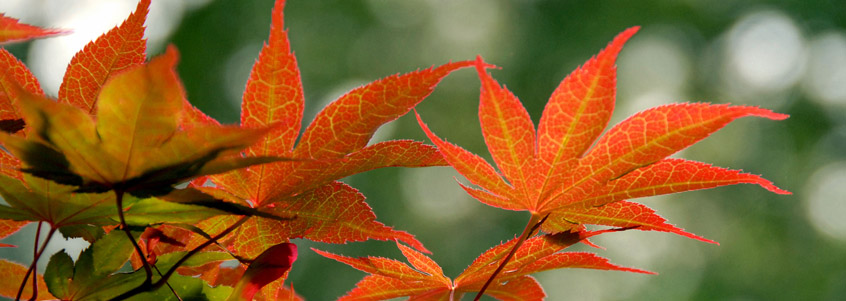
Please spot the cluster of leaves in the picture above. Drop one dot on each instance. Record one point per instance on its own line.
(105, 159)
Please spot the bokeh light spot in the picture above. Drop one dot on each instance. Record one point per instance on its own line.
(825, 80)
(433, 193)
(399, 14)
(825, 203)
(653, 69)
(765, 52)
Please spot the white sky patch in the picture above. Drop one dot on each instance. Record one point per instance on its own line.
(88, 19)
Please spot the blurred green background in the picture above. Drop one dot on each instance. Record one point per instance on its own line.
(789, 56)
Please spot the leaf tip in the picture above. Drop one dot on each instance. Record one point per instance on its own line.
(778, 116)
(143, 5)
(171, 54)
(768, 185)
(681, 232)
(633, 270)
(617, 43)
(759, 112)
(480, 63)
(426, 129)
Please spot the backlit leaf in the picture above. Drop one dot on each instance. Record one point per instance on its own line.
(9, 227)
(646, 138)
(618, 214)
(41, 200)
(274, 92)
(120, 48)
(579, 110)
(518, 289)
(671, 176)
(58, 274)
(13, 73)
(554, 171)
(335, 213)
(424, 279)
(509, 134)
(135, 144)
(474, 168)
(333, 146)
(13, 274)
(189, 288)
(569, 176)
(347, 124)
(12, 30)
(273, 263)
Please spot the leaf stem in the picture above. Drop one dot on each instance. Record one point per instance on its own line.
(35, 259)
(151, 286)
(34, 263)
(531, 227)
(202, 246)
(168, 284)
(119, 196)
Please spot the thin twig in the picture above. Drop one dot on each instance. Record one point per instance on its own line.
(35, 261)
(168, 284)
(529, 231)
(144, 287)
(201, 247)
(125, 228)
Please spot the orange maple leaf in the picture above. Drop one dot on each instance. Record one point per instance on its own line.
(12, 30)
(555, 171)
(333, 146)
(425, 280)
(563, 174)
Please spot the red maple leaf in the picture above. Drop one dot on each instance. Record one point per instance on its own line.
(115, 127)
(12, 30)
(272, 264)
(121, 47)
(424, 279)
(333, 146)
(16, 77)
(562, 173)
(555, 171)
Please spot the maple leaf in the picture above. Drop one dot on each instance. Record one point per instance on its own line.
(89, 77)
(35, 199)
(95, 273)
(134, 145)
(28, 198)
(12, 30)
(555, 171)
(13, 273)
(120, 48)
(563, 174)
(114, 51)
(333, 146)
(9, 227)
(273, 263)
(14, 73)
(424, 279)
(214, 274)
